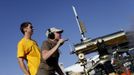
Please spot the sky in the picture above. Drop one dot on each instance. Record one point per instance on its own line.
(100, 17)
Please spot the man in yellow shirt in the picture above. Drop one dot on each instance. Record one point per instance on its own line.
(28, 51)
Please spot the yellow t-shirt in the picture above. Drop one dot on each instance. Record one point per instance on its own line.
(30, 51)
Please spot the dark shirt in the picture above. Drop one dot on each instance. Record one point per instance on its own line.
(52, 61)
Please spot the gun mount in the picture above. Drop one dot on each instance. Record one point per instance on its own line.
(112, 40)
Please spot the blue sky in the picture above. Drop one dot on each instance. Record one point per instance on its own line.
(101, 17)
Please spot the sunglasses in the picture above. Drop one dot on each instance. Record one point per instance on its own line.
(31, 27)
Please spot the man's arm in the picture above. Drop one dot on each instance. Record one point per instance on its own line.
(23, 66)
(46, 54)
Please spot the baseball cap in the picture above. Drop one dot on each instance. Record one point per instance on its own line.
(52, 30)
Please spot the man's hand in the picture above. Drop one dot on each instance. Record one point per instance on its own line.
(61, 42)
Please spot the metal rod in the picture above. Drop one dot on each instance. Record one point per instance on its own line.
(78, 23)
